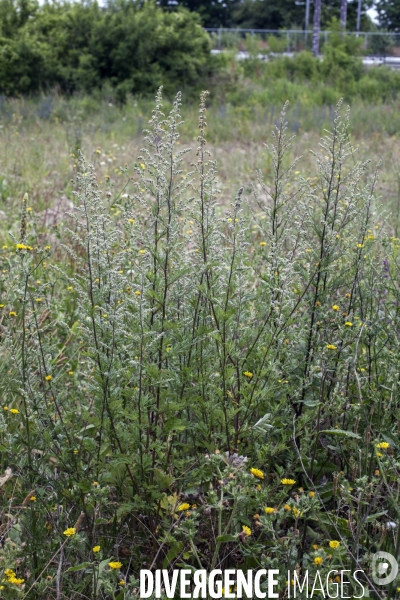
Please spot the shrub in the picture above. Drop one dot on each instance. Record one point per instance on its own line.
(187, 385)
(81, 47)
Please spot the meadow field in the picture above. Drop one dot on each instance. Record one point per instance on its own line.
(199, 342)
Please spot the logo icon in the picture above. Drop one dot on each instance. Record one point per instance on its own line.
(384, 568)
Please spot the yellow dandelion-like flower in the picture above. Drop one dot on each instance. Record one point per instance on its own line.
(142, 251)
(269, 510)
(297, 512)
(9, 573)
(95, 483)
(246, 530)
(70, 531)
(334, 544)
(137, 293)
(382, 445)
(183, 506)
(12, 313)
(143, 165)
(70, 372)
(121, 582)
(114, 564)
(248, 374)
(288, 481)
(48, 378)
(96, 549)
(311, 494)
(287, 507)
(32, 498)
(331, 347)
(16, 581)
(38, 300)
(348, 324)
(5, 408)
(360, 245)
(14, 411)
(20, 246)
(257, 473)
(335, 307)
(263, 243)
(318, 560)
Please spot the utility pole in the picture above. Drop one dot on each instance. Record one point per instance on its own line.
(358, 18)
(343, 14)
(307, 20)
(317, 27)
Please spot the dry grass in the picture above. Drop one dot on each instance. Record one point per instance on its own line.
(37, 155)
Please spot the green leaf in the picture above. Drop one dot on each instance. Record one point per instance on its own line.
(375, 516)
(164, 481)
(172, 553)
(84, 565)
(342, 433)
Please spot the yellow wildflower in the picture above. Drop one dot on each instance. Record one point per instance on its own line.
(335, 307)
(9, 573)
(115, 564)
(297, 512)
(382, 445)
(257, 473)
(12, 314)
(248, 374)
(16, 580)
(14, 411)
(318, 560)
(348, 324)
(263, 243)
(183, 506)
(287, 507)
(96, 549)
(70, 531)
(48, 378)
(288, 481)
(269, 510)
(331, 347)
(246, 530)
(32, 498)
(334, 544)
(311, 494)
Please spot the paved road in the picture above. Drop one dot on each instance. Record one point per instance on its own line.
(369, 61)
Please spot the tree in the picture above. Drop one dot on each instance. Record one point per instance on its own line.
(263, 14)
(213, 13)
(389, 14)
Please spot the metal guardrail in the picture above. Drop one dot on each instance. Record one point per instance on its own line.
(378, 43)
